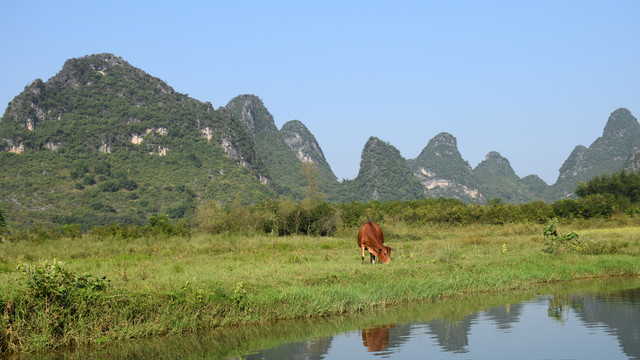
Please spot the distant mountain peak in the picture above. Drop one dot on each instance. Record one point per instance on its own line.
(443, 144)
(496, 164)
(442, 170)
(110, 59)
(384, 174)
(444, 139)
(606, 155)
(86, 70)
(301, 141)
(496, 157)
(306, 148)
(620, 123)
(372, 140)
(251, 111)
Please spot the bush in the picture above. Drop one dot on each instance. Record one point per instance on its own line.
(278, 217)
(320, 219)
(52, 303)
(597, 205)
(109, 186)
(211, 218)
(71, 231)
(53, 282)
(555, 243)
(566, 208)
(161, 225)
(351, 214)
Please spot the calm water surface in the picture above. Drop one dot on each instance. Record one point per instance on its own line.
(582, 325)
(595, 320)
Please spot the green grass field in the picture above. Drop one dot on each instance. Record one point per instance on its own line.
(52, 293)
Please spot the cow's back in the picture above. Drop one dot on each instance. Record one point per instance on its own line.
(370, 229)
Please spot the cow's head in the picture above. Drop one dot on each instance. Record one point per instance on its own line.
(384, 254)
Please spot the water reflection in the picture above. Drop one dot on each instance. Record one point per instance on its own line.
(617, 312)
(376, 339)
(594, 320)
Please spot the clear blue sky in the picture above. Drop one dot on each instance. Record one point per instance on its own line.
(529, 79)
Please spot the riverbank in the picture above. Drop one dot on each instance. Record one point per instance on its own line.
(158, 286)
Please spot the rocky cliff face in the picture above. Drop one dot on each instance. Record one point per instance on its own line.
(283, 151)
(302, 142)
(633, 162)
(306, 148)
(443, 172)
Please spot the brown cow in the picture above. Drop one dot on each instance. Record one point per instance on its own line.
(370, 238)
(381, 237)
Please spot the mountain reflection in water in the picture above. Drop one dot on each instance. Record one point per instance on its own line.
(594, 320)
(580, 326)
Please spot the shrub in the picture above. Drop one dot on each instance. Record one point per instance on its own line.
(566, 208)
(351, 214)
(555, 243)
(597, 205)
(210, 217)
(52, 281)
(71, 231)
(161, 225)
(320, 219)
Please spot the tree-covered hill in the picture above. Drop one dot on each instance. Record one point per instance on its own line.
(498, 180)
(443, 172)
(384, 175)
(103, 141)
(607, 155)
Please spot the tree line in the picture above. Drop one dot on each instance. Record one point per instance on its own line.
(601, 197)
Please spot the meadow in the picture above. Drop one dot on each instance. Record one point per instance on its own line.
(96, 289)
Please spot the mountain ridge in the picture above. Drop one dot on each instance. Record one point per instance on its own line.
(100, 124)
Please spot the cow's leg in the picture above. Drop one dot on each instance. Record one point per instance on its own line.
(362, 248)
(372, 259)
